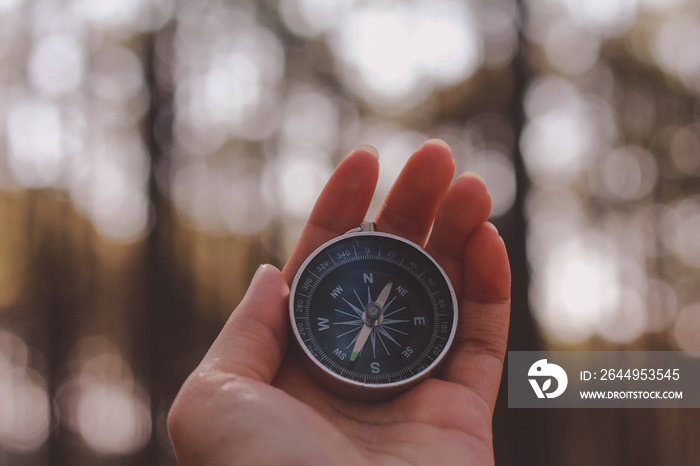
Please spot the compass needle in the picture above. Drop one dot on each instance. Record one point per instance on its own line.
(360, 342)
(381, 300)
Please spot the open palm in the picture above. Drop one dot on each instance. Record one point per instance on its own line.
(249, 401)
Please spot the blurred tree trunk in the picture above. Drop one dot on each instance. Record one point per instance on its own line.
(520, 436)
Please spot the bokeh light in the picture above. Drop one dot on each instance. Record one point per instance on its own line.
(9, 5)
(56, 65)
(102, 403)
(108, 184)
(675, 51)
(625, 174)
(116, 74)
(565, 130)
(313, 17)
(231, 90)
(687, 327)
(24, 404)
(685, 150)
(579, 286)
(36, 133)
(393, 54)
(108, 13)
(678, 227)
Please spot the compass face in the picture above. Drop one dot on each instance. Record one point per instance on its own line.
(372, 311)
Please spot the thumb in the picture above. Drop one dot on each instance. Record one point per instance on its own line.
(254, 339)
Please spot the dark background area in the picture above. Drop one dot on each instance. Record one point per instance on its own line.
(154, 152)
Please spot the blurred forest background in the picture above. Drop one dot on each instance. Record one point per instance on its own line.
(154, 152)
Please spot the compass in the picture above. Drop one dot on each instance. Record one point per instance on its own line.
(373, 313)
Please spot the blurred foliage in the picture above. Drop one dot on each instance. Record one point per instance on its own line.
(153, 153)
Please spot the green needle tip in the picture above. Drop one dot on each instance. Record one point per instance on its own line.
(354, 354)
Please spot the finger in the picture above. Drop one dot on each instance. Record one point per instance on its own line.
(466, 205)
(412, 202)
(254, 339)
(342, 205)
(476, 357)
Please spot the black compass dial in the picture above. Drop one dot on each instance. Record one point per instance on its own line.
(373, 309)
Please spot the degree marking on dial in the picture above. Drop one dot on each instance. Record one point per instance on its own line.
(331, 258)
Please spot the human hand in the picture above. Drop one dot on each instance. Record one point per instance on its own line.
(250, 402)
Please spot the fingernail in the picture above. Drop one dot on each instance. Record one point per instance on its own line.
(439, 142)
(371, 149)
